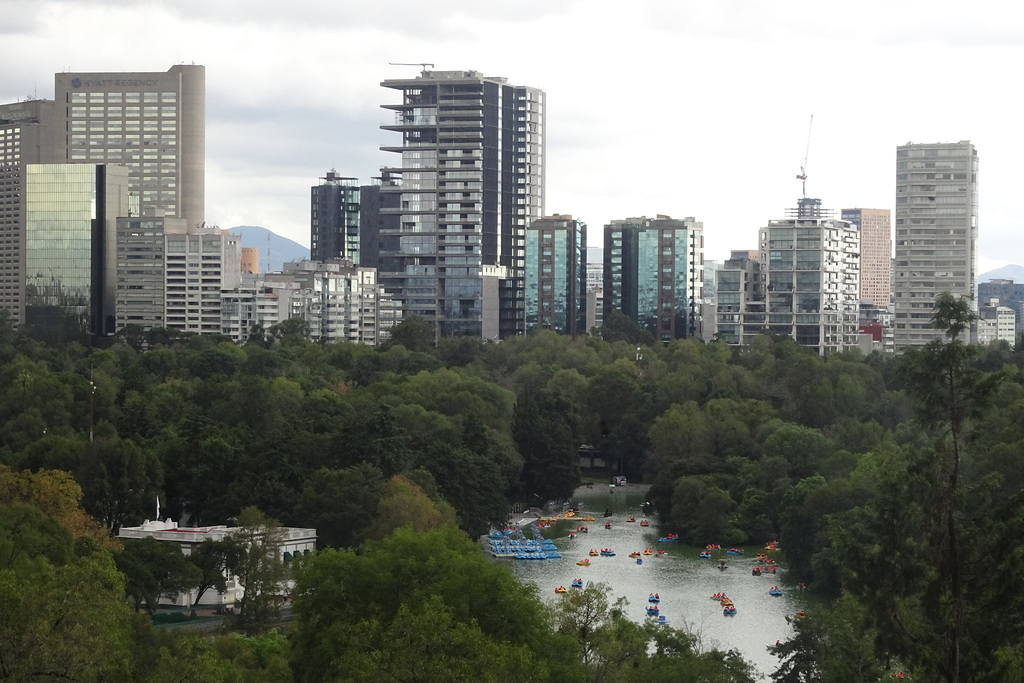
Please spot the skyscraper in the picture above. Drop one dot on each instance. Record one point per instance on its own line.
(153, 123)
(69, 237)
(334, 218)
(470, 179)
(875, 227)
(654, 274)
(26, 137)
(556, 268)
(804, 284)
(936, 233)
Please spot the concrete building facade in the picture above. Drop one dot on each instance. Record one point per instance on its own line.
(198, 265)
(154, 123)
(804, 285)
(936, 234)
(875, 228)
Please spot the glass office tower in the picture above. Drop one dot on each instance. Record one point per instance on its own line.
(69, 244)
(654, 274)
(556, 268)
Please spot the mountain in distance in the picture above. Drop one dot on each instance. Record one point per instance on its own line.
(274, 250)
(1010, 272)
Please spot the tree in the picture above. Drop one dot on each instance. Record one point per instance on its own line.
(613, 648)
(341, 504)
(213, 559)
(155, 570)
(404, 504)
(430, 591)
(950, 394)
(120, 481)
(64, 616)
(414, 333)
(260, 568)
(546, 428)
(830, 645)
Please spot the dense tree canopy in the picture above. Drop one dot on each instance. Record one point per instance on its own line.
(893, 482)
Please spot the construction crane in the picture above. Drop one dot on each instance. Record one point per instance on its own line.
(422, 65)
(803, 167)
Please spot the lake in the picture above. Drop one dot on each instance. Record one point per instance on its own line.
(684, 581)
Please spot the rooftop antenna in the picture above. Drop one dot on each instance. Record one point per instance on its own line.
(803, 167)
(422, 65)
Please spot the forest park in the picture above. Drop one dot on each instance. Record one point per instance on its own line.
(893, 484)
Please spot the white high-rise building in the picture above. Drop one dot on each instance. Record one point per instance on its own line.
(936, 234)
(805, 284)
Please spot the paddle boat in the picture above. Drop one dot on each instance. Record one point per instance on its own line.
(793, 617)
(577, 583)
(607, 552)
(729, 610)
(713, 546)
(594, 553)
(631, 519)
(561, 590)
(644, 522)
(775, 590)
(718, 596)
(661, 553)
(669, 538)
(662, 619)
(653, 597)
(735, 551)
(705, 554)
(652, 610)
(584, 563)
(639, 560)
(648, 551)
(635, 553)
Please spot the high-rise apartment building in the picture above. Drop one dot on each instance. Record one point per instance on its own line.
(936, 233)
(654, 274)
(556, 270)
(804, 285)
(875, 227)
(334, 218)
(470, 179)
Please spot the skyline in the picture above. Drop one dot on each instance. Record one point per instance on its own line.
(682, 110)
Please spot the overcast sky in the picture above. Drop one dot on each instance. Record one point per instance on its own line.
(654, 107)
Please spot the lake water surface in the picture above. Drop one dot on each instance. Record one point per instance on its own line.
(683, 580)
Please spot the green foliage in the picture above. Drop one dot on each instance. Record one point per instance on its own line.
(64, 616)
(259, 567)
(413, 333)
(155, 570)
(614, 648)
(425, 590)
(341, 504)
